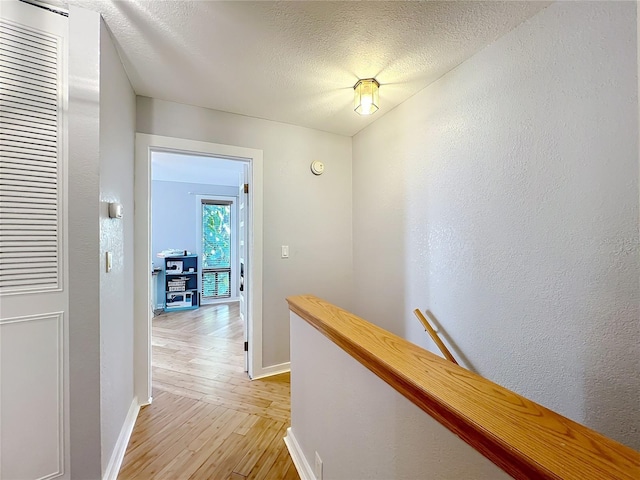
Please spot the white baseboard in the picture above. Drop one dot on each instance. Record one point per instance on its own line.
(272, 370)
(115, 462)
(299, 460)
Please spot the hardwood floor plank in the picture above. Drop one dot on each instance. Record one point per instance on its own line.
(291, 473)
(161, 452)
(224, 426)
(150, 444)
(176, 413)
(273, 412)
(199, 451)
(280, 466)
(263, 468)
(184, 392)
(269, 396)
(223, 461)
(264, 437)
(207, 419)
(245, 427)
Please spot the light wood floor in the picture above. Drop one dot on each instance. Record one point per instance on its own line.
(207, 419)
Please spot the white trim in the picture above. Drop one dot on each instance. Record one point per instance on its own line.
(272, 370)
(113, 468)
(145, 143)
(299, 460)
(141, 270)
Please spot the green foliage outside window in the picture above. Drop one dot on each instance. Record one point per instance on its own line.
(216, 243)
(216, 233)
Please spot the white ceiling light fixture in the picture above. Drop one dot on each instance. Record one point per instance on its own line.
(366, 96)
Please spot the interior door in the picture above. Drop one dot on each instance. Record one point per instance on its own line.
(243, 216)
(33, 256)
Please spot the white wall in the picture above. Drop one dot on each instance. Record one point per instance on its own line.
(84, 243)
(117, 135)
(361, 427)
(174, 215)
(504, 197)
(310, 214)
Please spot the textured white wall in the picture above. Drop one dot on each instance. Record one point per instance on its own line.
(504, 197)
(364, 429)
(310, 214)
(117, 134)
(84, 243)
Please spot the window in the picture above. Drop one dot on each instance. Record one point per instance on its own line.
(216, 249)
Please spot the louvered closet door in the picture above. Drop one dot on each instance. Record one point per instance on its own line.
(33, 279)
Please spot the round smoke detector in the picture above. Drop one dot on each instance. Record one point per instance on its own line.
(317, 167)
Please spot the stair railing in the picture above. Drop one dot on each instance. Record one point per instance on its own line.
(434, 336)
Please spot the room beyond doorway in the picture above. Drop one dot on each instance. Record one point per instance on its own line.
(196, 244)
(251, 159)
(194, 208)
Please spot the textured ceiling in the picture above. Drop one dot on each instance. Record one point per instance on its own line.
(297, 62)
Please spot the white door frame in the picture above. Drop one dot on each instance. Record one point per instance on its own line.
(145, 144)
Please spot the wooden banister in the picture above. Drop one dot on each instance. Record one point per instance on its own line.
(526, 440)
(434, 336)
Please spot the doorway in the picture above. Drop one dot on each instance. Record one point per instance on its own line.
(149, 147)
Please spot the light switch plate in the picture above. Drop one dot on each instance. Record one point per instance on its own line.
(109, 261)
(285, 251)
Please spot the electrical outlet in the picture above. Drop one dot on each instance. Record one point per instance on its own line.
(318, 469)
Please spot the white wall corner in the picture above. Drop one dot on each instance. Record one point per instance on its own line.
(115, 462)
(299, 460)
(272, 370)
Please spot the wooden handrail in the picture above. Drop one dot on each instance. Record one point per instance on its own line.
(525, 439)
(434, 336)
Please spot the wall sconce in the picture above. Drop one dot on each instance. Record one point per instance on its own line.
(366, 96)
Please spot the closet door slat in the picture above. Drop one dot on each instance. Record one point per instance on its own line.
(30, 160)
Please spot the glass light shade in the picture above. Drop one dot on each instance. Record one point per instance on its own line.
(366, 96)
